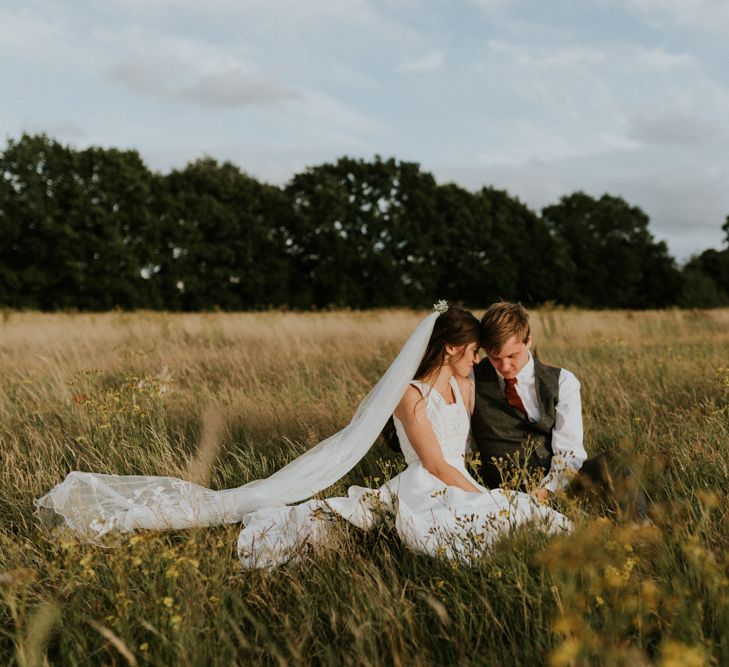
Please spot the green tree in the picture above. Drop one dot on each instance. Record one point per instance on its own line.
(464, 257)
(539, 267)
(223, 240)
(708, 279)
(116, 229)
(75, 228)
(362, 234)
(490, 246)
(617, 262)
(95, 229)
(39, 245)
(699, 290)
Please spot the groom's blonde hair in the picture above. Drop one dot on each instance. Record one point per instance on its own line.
(500, 322)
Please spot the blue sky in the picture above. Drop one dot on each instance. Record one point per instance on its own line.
(542, 98)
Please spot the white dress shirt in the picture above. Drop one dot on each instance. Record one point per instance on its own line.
(567, 447)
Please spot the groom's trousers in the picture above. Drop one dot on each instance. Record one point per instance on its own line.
(613, 479)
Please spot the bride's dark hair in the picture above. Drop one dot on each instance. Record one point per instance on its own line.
(457, 327)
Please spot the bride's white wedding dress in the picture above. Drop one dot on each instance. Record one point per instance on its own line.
(430, 517)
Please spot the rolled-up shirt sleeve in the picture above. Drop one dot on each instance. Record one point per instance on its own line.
(567, 434)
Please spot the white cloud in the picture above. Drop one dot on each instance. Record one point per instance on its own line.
(708, 15)
(546, 103)
(193, 70)
(547, 57)
(643, 122)
(233, 87)
(26, 37)
(293, 10)
(538, 98)
(164, 50)
(430, 62)
(659, 59)
(571, 101)
(22, 32)
(672, 127)
(491, 6)
(330, 117)
(64, 130)
(280, 17)
(686, 202)
(236, 88)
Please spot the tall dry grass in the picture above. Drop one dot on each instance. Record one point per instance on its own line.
(225, 398)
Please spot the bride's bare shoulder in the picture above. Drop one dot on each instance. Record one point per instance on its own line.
(409, 402)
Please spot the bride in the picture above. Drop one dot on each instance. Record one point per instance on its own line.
(424, 401)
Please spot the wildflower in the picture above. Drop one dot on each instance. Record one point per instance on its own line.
(676, 654)
(709, 500)
(566, 653)
(564, 625)
(168, 602)
(650, 593)
(87, 571)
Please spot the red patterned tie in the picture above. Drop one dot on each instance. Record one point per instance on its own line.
(512, 398)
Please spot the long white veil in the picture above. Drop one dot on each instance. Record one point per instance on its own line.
(94, 504)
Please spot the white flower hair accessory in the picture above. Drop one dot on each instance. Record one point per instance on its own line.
(441, 306)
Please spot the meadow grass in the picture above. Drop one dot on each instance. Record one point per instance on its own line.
(225, 398)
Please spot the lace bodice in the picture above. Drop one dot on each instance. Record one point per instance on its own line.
(450, 423)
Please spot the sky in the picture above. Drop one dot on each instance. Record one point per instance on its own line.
(628, 97)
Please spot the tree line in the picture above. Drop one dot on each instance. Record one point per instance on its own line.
(96, 229)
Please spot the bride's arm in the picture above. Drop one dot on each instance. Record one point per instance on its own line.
(411, 412)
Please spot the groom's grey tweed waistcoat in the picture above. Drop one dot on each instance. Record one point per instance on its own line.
(502, 431)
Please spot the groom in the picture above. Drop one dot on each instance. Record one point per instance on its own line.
(528, 419)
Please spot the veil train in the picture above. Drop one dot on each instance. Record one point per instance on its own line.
(95, 504)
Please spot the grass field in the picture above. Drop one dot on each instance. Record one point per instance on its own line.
(225, 398)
